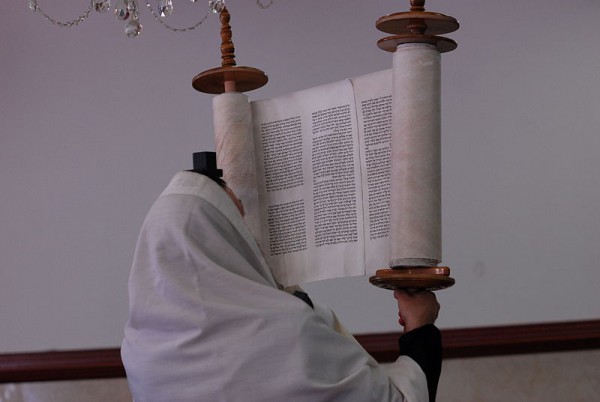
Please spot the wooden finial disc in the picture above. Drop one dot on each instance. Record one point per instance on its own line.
(412, 279)
(213, 81)
(417, 26)
(399, 23)
(390, 43)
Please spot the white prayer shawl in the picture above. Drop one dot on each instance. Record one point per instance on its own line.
(208, 322)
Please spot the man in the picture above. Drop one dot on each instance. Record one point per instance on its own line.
(208, 321)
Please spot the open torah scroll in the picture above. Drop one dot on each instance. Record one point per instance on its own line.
(321, 167)
(341, 179)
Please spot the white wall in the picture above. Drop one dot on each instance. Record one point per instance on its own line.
(93, 125)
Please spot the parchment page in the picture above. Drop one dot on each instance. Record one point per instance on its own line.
(310, 199)
(373, 94)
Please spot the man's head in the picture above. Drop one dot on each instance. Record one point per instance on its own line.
(205, 163)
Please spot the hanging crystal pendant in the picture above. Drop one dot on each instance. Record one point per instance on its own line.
(121, 10)
(101, 5)
(131, 7)
(216, 6)
(193, 1)
(32, 5)
(133, 28)
(165, 7)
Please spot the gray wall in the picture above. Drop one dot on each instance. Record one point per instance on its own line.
(94, 124)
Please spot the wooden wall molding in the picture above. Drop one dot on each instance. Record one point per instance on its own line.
(458, 343)
(496, 341)
(61, 365)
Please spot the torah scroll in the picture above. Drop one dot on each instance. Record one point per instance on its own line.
(347, 173)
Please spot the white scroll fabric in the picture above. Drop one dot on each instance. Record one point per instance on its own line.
(207, 321)
(235, 152)
(415, 199)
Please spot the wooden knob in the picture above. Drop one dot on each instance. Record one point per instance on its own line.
(227, 48)
(417, 5)
(229, 77)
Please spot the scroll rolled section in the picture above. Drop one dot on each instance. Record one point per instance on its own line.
(415, 211)
(235, 152)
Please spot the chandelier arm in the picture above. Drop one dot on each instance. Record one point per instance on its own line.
(169, 27)
(68, 24)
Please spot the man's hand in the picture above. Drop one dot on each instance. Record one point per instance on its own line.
(416, 309)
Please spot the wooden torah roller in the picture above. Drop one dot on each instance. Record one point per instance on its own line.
(413, 278)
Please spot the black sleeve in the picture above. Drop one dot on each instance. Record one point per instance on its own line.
(304, 297)
(424, 346)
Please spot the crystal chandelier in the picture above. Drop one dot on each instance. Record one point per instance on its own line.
(128, 11)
